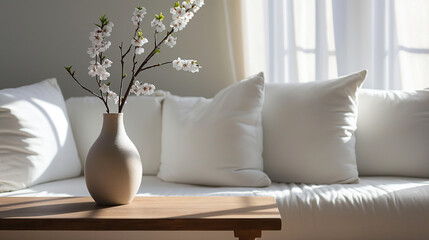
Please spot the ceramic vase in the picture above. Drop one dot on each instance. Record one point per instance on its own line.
(113, 169)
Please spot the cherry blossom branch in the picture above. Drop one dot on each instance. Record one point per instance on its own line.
(122, 72)
(99, 81)
(68, 69)
(134, 75)
(123, 76)
(157, 65)
(153, 52)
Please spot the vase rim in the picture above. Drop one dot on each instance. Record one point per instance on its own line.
(113, 113)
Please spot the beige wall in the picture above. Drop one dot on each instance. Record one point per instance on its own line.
(39, 37)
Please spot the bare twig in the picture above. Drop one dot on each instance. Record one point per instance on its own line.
(156, 65)
(88, 90)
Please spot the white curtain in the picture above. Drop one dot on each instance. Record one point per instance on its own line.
(307, 40)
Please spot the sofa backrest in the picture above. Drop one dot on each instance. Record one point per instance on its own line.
(392, 136)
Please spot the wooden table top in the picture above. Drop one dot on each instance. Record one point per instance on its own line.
(144, 213)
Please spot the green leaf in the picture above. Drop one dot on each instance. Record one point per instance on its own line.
(177, 4)
(159, 17)
(98, 25)
(103, 57)
(68, 68)
(157, 51)
(140, 34)
(73, 72)
(125, 75)
(108, 84)
(139, 8)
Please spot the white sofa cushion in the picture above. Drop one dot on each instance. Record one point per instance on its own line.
(215, 141)
(309, 131)
(36, 142)
(393, 133)
(375, 208)
(142, 120)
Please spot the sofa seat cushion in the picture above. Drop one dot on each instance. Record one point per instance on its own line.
(376, 208)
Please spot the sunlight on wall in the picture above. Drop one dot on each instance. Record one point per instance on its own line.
(254, 37)
(307, 40)
(411, 18)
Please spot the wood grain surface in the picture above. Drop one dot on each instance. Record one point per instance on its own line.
(144, 213)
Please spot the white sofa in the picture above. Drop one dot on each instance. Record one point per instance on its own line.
(377, 207)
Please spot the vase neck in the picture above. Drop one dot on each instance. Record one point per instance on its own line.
(113, 124)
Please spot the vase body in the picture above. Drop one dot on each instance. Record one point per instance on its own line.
(113, 169)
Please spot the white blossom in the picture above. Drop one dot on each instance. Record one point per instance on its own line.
(98, 30)
(187, 4)
(194, 66)
(139, 50)
(147, 89)
(102, 73)
(178, 24)
(171, 41)
(159, 26)
(189, 15)
(177, 12)
(94, 68)
(106, 63)
(104, 88)
(96, 38)
(104, 46)
(93, 51)
(186, 65)
(151, 89)
(106, 30)
(111, 95)
(177, 64)
(138, 42)
(136, 88)
(197, 5)
(154, 22)
(135, 20)
(138, 15)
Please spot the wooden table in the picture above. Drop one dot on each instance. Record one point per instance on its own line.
(246, 216)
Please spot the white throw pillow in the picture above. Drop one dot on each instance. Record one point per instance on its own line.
(393, 133)
(142, 120)
(36, 141)
(217, 141)
(309, 131)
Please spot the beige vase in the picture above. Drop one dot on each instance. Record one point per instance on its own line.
(113, 169)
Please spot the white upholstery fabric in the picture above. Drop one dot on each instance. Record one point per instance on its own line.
(375, 208)
(36, 141)
(142, 119)
(309, 131)
(392, 137)
(215, 142)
